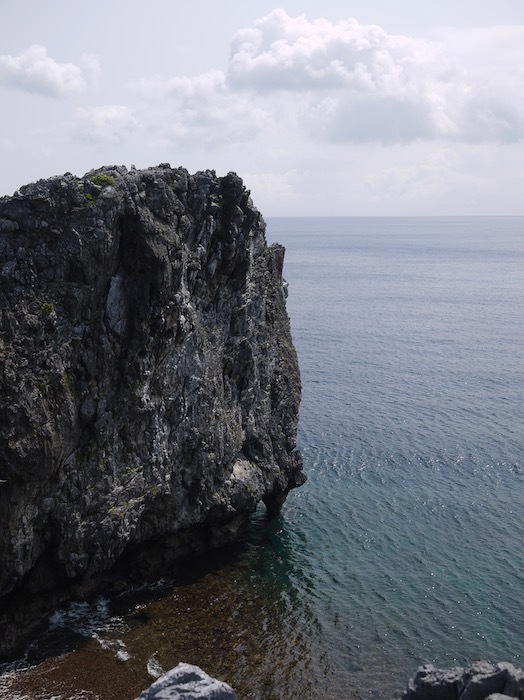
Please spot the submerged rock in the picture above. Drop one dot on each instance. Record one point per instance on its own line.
(481, 681)
(187, 682)
(149, 387)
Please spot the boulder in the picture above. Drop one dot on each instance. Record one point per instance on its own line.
(479, 681)
(187, 682)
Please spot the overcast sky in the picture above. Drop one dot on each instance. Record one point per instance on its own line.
(362, 107)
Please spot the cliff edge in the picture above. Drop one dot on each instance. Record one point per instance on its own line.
(149, 385)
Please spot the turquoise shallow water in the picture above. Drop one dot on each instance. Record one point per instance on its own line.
(406, 544)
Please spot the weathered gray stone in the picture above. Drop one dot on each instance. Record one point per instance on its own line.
(148, 381)
(514, 680)
(187, 682)
(476, 682)
(435, 684)
(483, 679)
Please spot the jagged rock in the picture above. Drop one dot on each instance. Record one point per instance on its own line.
(187, 682)
(149, 388)
(481, 681)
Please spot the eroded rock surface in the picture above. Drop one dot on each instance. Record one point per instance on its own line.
(188, 682)
(481, 681)
(149, 385)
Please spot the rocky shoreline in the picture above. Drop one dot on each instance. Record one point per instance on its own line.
(480, 681)
(149, 384)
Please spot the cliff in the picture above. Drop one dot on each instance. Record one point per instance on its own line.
(149, 385)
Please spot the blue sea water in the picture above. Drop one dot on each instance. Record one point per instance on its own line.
(408, 538)
(405, 546)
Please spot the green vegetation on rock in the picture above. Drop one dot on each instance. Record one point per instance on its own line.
(103, 180)
(48, 308)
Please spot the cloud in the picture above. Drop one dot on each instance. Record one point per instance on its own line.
(91, 66)
(293, 53)
(367, 120)
(328, 82)
(281, 188)
(34, 71)
(106, 124)
(487, 118)
(357, 83)
(423, 177)
(480, 179)
(199, 110)
(195, 88)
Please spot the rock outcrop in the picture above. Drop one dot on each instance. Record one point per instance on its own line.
(481, 681)
(149, 387)
(187, 682)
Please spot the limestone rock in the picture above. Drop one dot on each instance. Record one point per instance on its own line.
(149, 387)
(481, 681)
(187, 682)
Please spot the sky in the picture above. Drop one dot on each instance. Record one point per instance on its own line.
(332, 108)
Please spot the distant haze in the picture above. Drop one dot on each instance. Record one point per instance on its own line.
(324, 108)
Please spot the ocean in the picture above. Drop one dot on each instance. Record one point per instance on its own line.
(405, 546)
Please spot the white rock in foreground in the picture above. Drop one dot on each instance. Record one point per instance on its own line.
(187, 682)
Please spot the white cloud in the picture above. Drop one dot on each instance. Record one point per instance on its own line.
(293, 53)
(199, 111)
(196, 87)
(425, 177)
(91, 66)
(488, 118)
(340, 82)
(357, 83)
(106, 124)
(383, 120)
(33, 70)
(282, 188)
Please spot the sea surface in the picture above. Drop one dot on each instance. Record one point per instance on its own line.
(406, 544)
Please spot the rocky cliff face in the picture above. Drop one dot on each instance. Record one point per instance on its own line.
(149, 385)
